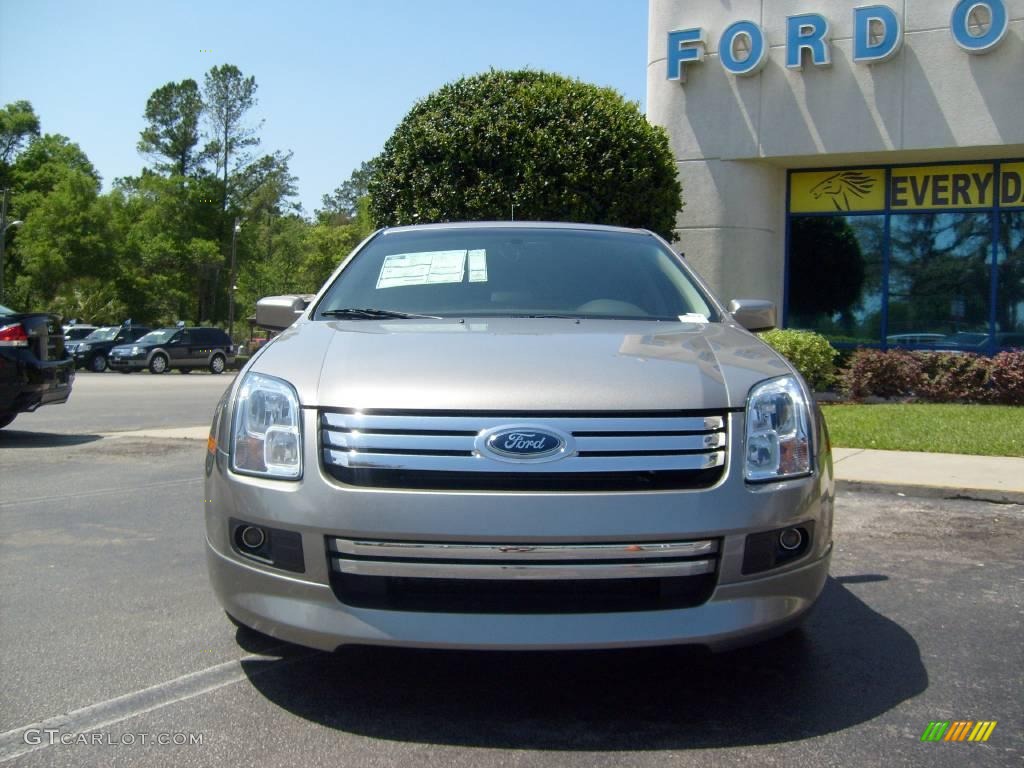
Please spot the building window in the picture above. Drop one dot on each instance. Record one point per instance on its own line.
(835, 276)
(919, 257)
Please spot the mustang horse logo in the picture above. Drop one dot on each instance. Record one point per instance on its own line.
(839, 187)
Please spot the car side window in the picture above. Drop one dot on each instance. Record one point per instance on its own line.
(183, 338)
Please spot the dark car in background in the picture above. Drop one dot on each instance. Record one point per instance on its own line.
(181, 348)
(34, 369)
(93, 351)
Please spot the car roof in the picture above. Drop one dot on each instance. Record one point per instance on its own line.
(564, 225)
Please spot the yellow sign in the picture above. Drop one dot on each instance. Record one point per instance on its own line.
(1011, 185)
(934, 187)
(830, 191)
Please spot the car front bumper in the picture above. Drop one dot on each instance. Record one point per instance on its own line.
(127, 363)
(306, 607)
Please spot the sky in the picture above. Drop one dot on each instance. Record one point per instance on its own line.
(334, 78)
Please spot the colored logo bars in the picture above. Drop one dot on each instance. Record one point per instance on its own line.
(958, 730)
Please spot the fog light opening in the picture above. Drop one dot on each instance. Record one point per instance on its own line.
(252, 537)
(791, 539)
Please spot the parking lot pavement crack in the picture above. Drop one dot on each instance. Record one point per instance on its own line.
(14, 744)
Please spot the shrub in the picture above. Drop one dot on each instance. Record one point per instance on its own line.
(947, 377)
(555, 148)
(810, 353)
(942, 377)
(1008, 377)
(873, 373)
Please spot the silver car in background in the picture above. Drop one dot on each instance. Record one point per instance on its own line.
(518, 436)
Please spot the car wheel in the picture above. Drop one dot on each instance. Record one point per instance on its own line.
(184, 370)
(98, 364)
(158, 364)
(6, 418)
(217, 364)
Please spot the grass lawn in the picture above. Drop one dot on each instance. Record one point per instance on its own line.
(981, 430)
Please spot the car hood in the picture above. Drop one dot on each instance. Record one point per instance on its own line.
(520, 364)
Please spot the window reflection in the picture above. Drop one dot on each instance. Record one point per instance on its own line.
(1010, 303)
(835, 276)
(940, 278)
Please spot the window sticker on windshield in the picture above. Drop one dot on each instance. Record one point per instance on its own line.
(422, 268)
(692, 317)
(478, 266)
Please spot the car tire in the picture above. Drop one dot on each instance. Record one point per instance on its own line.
(184, 370)
(158, 364)
(217, 363)
(6, 418)
(98, 363)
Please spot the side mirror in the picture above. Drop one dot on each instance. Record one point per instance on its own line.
(753, 314)
(278, 312)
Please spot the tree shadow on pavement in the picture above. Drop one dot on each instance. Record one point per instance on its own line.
(14, 438)
(848, 664)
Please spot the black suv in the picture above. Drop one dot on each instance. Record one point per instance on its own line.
(93, 351)
(181, 348)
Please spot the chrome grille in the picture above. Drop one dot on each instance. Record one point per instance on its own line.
(442, 450)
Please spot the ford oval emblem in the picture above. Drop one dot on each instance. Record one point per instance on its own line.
(524, 443)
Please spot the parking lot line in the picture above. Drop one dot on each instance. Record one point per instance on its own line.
(13, 743)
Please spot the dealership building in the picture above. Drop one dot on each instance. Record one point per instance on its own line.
(860, 164)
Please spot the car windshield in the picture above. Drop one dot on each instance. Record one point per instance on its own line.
(514, 271)
(6, 310)
(157, 337)
(78, 333)
(103, 334)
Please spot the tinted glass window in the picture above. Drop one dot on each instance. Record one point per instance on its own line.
(939, 277)
(835, 276)
(1010, 256)
(158, 337)
(503, 271)
(103, 334)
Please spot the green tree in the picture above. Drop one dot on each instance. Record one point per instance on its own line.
(55, 191)
(228, 97)
(18, 126)
(172, 127)
(342, 205)
(552, 147)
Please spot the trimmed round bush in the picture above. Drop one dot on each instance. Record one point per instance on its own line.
(555, 148)
(810, 353)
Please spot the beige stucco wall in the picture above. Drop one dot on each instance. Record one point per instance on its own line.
(734, 137)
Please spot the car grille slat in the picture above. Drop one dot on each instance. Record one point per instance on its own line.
(442, 450)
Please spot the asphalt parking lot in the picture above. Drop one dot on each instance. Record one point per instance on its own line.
(108, 629)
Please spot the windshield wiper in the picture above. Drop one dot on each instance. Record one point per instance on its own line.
(369, 313)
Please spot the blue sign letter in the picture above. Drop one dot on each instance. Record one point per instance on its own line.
(742, 49)
(869, 51)
(810, 31)
(985, 40)
(684, 45)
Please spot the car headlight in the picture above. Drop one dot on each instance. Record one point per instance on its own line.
(777, 444)
(83, 347)
(265, 432)
(136, 350)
